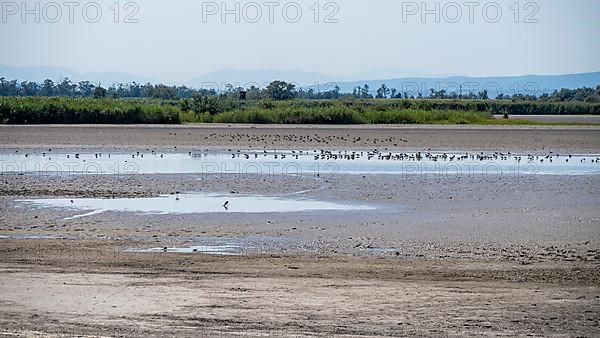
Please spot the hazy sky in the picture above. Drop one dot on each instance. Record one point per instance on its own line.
(180, 39)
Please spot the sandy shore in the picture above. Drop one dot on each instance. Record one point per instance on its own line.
(123, 294)
(464, 257)
(402, 137)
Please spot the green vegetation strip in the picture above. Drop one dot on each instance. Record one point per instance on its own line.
(215, 109)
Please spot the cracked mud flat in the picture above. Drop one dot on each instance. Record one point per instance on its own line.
(464, 257)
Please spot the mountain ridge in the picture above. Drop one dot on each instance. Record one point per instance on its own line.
(534, 84)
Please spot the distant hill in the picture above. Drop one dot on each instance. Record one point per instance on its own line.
(527, 84)
(39, 74)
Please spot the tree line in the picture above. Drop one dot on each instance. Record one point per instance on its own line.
(276, 90)
(67, 88)
(584, 94)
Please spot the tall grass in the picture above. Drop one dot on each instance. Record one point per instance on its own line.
(489, 106)
(43, 110)
(38, 110)
(333, 116)
(291, 115)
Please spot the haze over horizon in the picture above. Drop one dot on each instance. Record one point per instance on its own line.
(178, 41)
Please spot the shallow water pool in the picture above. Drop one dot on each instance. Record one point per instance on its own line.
(191, 204)
(301, 162)
(223, 250)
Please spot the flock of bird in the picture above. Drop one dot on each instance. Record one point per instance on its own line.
(374, 154)
(269, 141)
(278, 139)
(137, 154)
